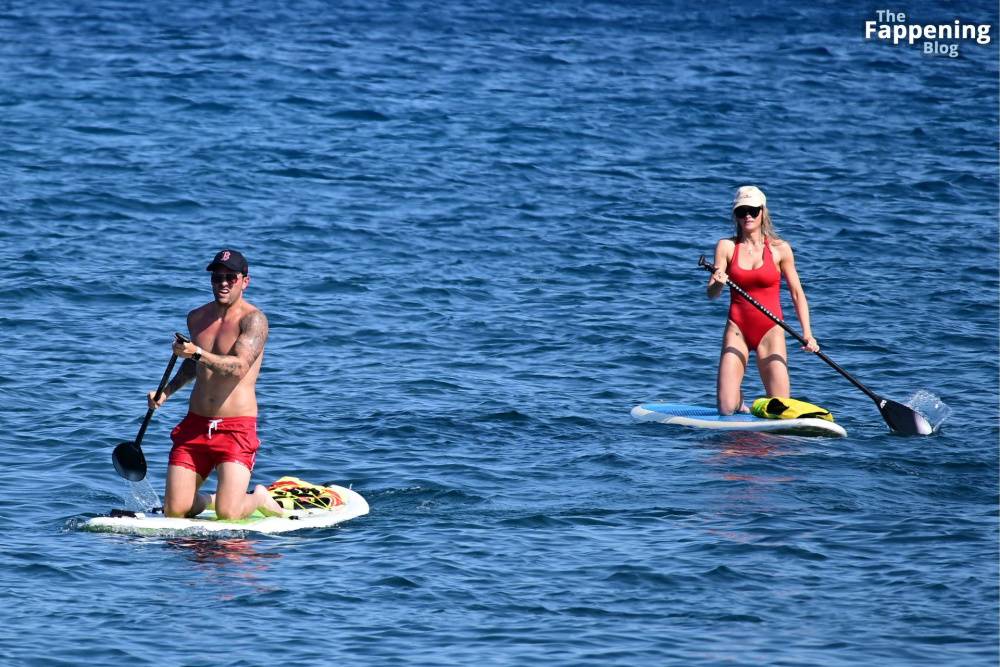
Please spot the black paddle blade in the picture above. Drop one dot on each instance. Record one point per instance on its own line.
(129, 461)
(902, 419)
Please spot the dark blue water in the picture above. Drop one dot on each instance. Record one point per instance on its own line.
(474, 228)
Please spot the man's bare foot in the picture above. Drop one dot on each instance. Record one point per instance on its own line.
(267, 505)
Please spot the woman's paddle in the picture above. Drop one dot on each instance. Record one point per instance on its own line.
(900, 418)
(128, 458)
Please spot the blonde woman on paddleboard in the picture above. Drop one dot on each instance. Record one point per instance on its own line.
(755, 258)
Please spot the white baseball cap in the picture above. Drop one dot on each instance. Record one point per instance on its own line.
(749, 195)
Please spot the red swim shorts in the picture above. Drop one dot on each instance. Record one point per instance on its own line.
(202, 443)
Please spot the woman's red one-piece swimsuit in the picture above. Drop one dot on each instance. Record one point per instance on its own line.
(764, 285)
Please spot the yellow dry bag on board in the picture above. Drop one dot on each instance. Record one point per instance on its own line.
(788, 408)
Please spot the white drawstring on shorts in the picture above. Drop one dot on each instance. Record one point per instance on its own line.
(213, 425)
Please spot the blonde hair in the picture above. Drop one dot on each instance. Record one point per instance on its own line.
(766, 227)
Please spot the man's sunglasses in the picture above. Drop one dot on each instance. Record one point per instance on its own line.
(219, 278)
(742, 211)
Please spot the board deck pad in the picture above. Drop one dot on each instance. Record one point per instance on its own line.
(701, 417)
(147, 523)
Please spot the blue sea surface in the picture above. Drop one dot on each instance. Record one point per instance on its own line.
(474, 228)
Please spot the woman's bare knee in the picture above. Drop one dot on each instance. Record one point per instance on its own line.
(729, 393)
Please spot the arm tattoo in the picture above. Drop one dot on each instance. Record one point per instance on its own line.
(184, 375)
(226, 366)
(253, 335)
(248, 347)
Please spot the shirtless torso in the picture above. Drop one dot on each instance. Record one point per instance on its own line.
(232, 344)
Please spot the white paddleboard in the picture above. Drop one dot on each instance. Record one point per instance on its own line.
(702, 417)
(145, 523)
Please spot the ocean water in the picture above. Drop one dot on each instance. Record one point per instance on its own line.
(475, 228)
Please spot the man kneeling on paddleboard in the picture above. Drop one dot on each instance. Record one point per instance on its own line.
(220, 430)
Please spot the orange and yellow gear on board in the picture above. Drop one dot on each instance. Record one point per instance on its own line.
(293, 493)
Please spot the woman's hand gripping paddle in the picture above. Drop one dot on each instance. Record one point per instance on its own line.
(128, 458)
(900, 418)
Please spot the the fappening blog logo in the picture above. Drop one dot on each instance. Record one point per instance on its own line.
(939, 39)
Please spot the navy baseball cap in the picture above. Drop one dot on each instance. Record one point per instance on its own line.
(232, 260)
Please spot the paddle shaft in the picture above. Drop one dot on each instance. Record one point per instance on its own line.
(159, 390)
(784, 325)
(156, 397)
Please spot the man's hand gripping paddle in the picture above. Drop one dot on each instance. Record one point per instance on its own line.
(900, 418)
(128, 458)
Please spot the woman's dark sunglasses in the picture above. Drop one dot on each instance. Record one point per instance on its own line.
(742, 211)
(219, 278)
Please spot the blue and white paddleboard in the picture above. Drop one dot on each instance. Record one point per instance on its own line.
(149, 523)
(702, 417)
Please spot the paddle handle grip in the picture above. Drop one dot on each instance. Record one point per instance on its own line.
(705, 264)
(159, 390)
